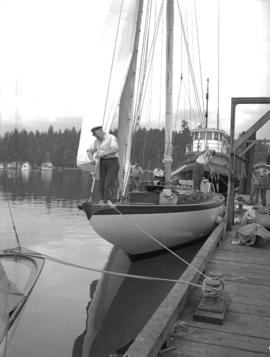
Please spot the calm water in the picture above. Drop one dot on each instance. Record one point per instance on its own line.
(73, 312)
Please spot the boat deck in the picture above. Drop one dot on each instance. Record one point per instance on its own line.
(245, 330)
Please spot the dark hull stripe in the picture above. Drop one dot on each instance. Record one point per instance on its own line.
(150, 209)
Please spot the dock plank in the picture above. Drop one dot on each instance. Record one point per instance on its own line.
(246, 328)
(223, 339)
(241, 307)
(236, 323)
(228, 256)
(198, 349)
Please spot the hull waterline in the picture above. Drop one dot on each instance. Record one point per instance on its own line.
(133, 227)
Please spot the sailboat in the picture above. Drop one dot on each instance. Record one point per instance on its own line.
(26, 166)
(151, 220)
(47, 165)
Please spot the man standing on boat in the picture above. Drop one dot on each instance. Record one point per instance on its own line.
(136, 176)
(106, 148)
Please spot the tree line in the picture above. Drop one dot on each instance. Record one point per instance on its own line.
(61, 146)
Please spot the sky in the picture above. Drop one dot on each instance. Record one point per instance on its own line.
(47, 59)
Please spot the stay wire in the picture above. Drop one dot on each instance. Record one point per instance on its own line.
(112, 63)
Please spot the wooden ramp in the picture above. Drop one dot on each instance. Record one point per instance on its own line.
(246, 328)
(245, 331)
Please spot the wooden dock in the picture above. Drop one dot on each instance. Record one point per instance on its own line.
(245, 330)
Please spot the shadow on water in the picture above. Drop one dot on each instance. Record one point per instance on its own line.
(120, 307)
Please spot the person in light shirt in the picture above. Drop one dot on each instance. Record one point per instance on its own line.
(136, 176)
(158, 175)
(106, 148)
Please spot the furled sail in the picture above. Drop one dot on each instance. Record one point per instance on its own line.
(109, 72)
(126, 111)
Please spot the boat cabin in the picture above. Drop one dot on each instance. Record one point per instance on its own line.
(214, 139)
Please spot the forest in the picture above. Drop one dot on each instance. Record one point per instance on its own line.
(61, 146)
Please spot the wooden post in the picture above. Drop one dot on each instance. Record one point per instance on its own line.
(263, 120)
(230, 194)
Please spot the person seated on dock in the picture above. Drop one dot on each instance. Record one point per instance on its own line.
(136, 176)
(158, 175)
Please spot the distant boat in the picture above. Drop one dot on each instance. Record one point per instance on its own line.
(215, 140)
(12, 165)
(47, 165)
(26, 166)
(19, 272)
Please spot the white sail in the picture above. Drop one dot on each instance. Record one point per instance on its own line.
(110, 71)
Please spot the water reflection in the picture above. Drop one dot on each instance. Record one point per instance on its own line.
(67, 184)
(25, 175)
(120, 307)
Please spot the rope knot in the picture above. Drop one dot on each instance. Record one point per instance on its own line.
(212, 286)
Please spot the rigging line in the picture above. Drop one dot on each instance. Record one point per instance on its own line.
(199, 52)
(11, 215)
(177, 108)
(150, 61)
(161, 72)
(148, 115)
(190, 65)
(144, 51)
(188, 98)
(112, 63)
(147, 53)
(35, 254)
(218, 89)
(142, 71)
(157, 241)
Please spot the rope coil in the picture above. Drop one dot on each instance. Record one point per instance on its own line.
(212, 286)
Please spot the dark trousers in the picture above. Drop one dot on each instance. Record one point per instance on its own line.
(197, 175)
(108, 171)
(254, 195)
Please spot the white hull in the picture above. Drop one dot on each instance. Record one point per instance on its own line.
(171, 229)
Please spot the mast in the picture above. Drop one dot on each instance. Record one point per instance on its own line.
(207, 99)
(169, 86)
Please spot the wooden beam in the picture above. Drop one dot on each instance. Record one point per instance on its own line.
(248, 148)
(259, 123)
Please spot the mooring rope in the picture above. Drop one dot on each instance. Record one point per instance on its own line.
(157, 241)
(35, 254)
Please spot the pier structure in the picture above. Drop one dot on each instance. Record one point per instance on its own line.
(241, 327)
